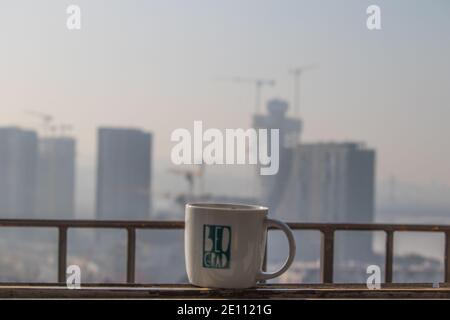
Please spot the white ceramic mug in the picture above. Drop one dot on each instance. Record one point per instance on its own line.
(225, 245)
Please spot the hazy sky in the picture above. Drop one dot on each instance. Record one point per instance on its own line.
(155, 65)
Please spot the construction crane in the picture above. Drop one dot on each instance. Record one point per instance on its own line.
(297, 73)
(190, 175)
(65, 128)
(46, 119)
(259, 84)
(48, 123)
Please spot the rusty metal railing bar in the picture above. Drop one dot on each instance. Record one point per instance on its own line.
(103, 224)
(131, 254)
(327, 256)
(389, 259)
(447, 257)
(178, 224)
(62, 253)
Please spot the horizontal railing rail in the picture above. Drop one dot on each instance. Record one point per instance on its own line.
(327, 231)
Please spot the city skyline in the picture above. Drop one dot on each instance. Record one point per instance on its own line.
(364, 81)
(85, 191)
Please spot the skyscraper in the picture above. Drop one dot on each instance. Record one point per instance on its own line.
(278, 191)
(56, 178)
(18, 159)
(337, 185)
(123, 174)
(337, 182)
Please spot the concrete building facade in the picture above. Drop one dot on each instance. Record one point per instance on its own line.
(337, 185)
(123, 174)
(18, 169)
(56, 178)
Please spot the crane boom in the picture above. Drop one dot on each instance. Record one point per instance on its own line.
(297, 73)
(259, 84)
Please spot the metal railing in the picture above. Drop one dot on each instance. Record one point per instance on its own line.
(327, 231)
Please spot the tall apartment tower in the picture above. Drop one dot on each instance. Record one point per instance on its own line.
(337, 185)
(278, 191)
(18, 159)
(124, 174)
(56, 178)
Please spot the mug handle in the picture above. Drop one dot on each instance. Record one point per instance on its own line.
(284, 227)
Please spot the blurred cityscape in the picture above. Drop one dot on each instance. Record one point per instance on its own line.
(330, 182)
(86, 117)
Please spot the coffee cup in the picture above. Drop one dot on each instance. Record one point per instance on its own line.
(225, 245)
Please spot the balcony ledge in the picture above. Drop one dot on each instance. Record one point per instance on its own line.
(186, 291)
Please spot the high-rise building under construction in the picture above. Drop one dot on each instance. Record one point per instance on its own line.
(319, 182)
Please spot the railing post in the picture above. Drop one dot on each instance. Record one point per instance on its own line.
(131, 254)
(62, 254)
(389, 261)
(327, 255)
(447, 257)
